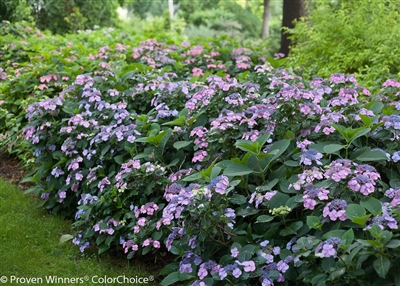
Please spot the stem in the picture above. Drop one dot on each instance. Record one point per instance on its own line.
(222, 228)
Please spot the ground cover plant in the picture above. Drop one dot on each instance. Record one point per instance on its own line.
(248, 173)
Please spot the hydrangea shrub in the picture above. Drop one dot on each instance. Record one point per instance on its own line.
(248, 174)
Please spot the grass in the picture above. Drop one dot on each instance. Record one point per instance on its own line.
(30, 248)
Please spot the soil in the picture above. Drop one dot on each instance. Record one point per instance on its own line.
(11, 170)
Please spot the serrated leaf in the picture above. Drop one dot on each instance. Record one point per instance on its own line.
(355, 211)
(382, 265)
(373, 205)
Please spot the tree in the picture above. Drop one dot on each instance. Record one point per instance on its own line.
(292, 10)
(266, 17)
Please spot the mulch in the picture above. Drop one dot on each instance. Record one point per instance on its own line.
(11, 170)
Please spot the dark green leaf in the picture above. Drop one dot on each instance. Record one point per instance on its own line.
(373, 205)
(181, 144)
(381, 265)
(372, 155)
(237, 170)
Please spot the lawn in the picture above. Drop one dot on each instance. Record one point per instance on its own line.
(31, 249)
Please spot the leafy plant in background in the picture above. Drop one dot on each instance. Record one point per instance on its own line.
(369, 27)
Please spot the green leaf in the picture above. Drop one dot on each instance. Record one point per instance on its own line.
(119, 159)
(373, 205)
(263, 139)
(163, 138)
(66, 237)
(334, 233)
(355, 211)
(181, 144)
(359, 132)
(313, 222)
(278, 200)
(361, 220)
(291, 229)
(238, 199)
(170, 279)
(247, 211)
(237, 170)
(264, 218)
(381, 265)
(328, 263)
(333, 148)
(289, 135)
(279, 147)
(372, 155)
(246, 252)
(169, 268)
(193, 177)
(268, 186)
(394, 243)
(348, 237)
(337, 273)
(291, 163)
(248, 146)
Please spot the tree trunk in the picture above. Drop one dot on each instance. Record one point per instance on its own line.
(171, 8)
(266, 17)
(292, 9)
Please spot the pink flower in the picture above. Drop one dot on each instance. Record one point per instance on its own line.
(43, 86)
(197, 72)
(234, 252)
(248, 266)
(328, 250)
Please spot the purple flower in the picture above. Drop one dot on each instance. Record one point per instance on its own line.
(56, 172)
(335, 210)
(185, 268)
(248, 266)
(363, 184)
(282, 266)
(328, 250)
(309, 156)
(234, 252)
(202, 272)
(236, 272)
(396, 156)
(220, 184)
(311, 193)
(328, 247)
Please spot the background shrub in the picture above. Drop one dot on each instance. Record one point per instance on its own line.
(359, 37)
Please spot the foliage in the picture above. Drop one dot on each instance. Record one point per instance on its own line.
(14, 11)
(62, 16)
(358, 38)
(247, 172)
